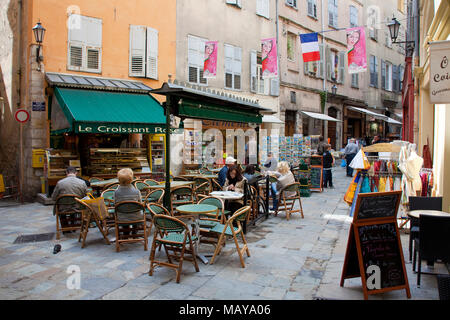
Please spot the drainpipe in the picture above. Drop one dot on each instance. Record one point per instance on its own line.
(325, 124)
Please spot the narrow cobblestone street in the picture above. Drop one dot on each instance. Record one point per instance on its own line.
(295, 259)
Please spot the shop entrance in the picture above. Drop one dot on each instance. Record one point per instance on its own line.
(332, 112)
(289, 127)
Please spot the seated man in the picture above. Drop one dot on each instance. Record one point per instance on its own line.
(69, 185)
(222, 176)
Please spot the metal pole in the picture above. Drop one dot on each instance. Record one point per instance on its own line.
(21, 161)
(167, 187)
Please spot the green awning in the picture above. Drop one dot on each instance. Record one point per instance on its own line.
(94, 111)
(191, 109)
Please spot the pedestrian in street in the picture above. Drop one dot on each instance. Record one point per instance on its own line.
(271, 163)
(350, 152)
(321, 147)
(222, 175)
(328, 162)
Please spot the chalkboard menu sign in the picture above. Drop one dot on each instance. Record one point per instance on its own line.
(380, 206)
(316, 178)
(374, 251)
(316, 161)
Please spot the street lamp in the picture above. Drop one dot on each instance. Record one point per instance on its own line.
(334, 89)
(394, 27)
(39, 32)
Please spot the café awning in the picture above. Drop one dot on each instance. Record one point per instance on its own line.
(98, 111)
(271, 119)
(320, 116)
(370, 113)
(392, 121)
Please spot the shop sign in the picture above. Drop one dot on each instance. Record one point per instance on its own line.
(38, 105)
(221, 125)
(440, 72)
(118, 128)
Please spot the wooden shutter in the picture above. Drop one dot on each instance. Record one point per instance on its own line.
(192, 59)
(76, 39)
(152, 53)
(383, 74)
(229, 62)
(395, 78)
(93, 30)
(253, 71)
(274, 87)
(341, 76)
(137, 51)
(321, 63)
(262, 8)
(328, 62)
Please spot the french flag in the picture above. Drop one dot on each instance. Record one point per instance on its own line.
(310, 47)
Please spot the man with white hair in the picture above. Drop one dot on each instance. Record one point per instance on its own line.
(350, 152)
(229, 162)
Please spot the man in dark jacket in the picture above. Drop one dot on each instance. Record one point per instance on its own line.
(328, 161)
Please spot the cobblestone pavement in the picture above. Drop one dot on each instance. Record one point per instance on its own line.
(295, 259)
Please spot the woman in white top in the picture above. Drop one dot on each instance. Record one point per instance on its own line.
(284, 177)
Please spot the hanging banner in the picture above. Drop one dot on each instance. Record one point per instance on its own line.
(210, 63)
(269, 58)
(440, 71)
(310, 47)
(356, 50)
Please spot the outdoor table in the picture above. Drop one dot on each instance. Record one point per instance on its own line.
(215, 170)
(199, 175)
(173, 185)
(415, 214)
(227, 195)
(195, 210)
(99, 185)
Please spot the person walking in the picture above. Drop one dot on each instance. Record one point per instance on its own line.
(350, 152)
(328, 162)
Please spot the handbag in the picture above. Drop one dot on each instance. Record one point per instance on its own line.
(97, 206)
(352, 188)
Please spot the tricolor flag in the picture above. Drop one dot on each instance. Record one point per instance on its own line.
(310, 47)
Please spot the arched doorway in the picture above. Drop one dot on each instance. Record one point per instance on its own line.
(332, 112)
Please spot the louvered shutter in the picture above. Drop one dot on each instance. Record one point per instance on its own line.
(137, 51)
(328, 62)
(192, 60)
(341, 76)
(237, 68)
(253, 71)
(321, 63)
(152, 53)
(229, 57)
(266, 8)
(76, 37)
(395, 78)
(383, 74)
(274, 87)
(93, 30)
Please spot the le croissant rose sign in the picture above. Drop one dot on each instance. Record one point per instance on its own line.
(440, 72)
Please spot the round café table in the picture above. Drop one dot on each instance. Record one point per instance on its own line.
(416, 213)
(227, 195)
(195, 210)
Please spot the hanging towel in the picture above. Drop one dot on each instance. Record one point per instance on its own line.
(382, 184)
(365, 188)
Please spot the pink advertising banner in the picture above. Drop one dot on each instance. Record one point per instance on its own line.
(210, 63)
(269, 58)
(356, 50)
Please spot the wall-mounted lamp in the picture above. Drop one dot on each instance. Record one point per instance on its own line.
(39, 32)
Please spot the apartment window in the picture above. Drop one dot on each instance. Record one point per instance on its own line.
(373, 71)
(312, 8)
(333, 13)
(315, 68)
(233, 67)
(355, 80)
(401, 6)
(293, 97)
(373, 34)
(196, 52)
(386, 75)
(236, 3)
(395, 78)
(262, 8)
(335, 65)
(291, 42)
(143, 52)
(353, 17)
(401, 71)
(291, 3)
(84, 44)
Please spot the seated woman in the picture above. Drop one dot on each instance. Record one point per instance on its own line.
(127, 192)
(249, 172)
(234, 182)
(285, 177)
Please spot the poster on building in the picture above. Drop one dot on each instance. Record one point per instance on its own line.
(356, 50)
(440, 71)
(269, 58)
(210, 63)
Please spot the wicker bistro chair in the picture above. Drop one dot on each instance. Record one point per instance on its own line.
(128, 231)
(443, 281)
(201, 190)
(179, 196)
(95, 179)
(153, 209)
(108, 196)
(68, 214)
(286, 203)
(253, 203)
(141, 186)
(156, 195)
(175, 237)
(215, 185)
(180, 179)
(92, 212)
(228, 229)
(151, 182)
(420, 203)
(433, 242)
(113, 186)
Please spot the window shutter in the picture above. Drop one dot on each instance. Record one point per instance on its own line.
(253, 71)
(376, 72)
(237, 67)
(75, 55)
(383, 74)
(152, 53)
(341, 76)
(266, 8)
(306, 67)
(137, 51)
(321, 63)
(201, 60)
(229, 57)
(310, 8)
(395, 78)
(93, 58)
(262, 8)
(259, 5)
(274, 87)
(328, 62)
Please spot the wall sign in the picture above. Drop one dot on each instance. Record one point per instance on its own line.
(118, 128)
(38, 106)
(22, 115)
(440, 72)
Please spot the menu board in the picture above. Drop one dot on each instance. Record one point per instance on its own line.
(374, 250)
(316, 178)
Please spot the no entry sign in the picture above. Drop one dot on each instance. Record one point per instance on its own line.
(22, 115)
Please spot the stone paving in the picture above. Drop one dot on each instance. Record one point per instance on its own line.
(296, 259)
